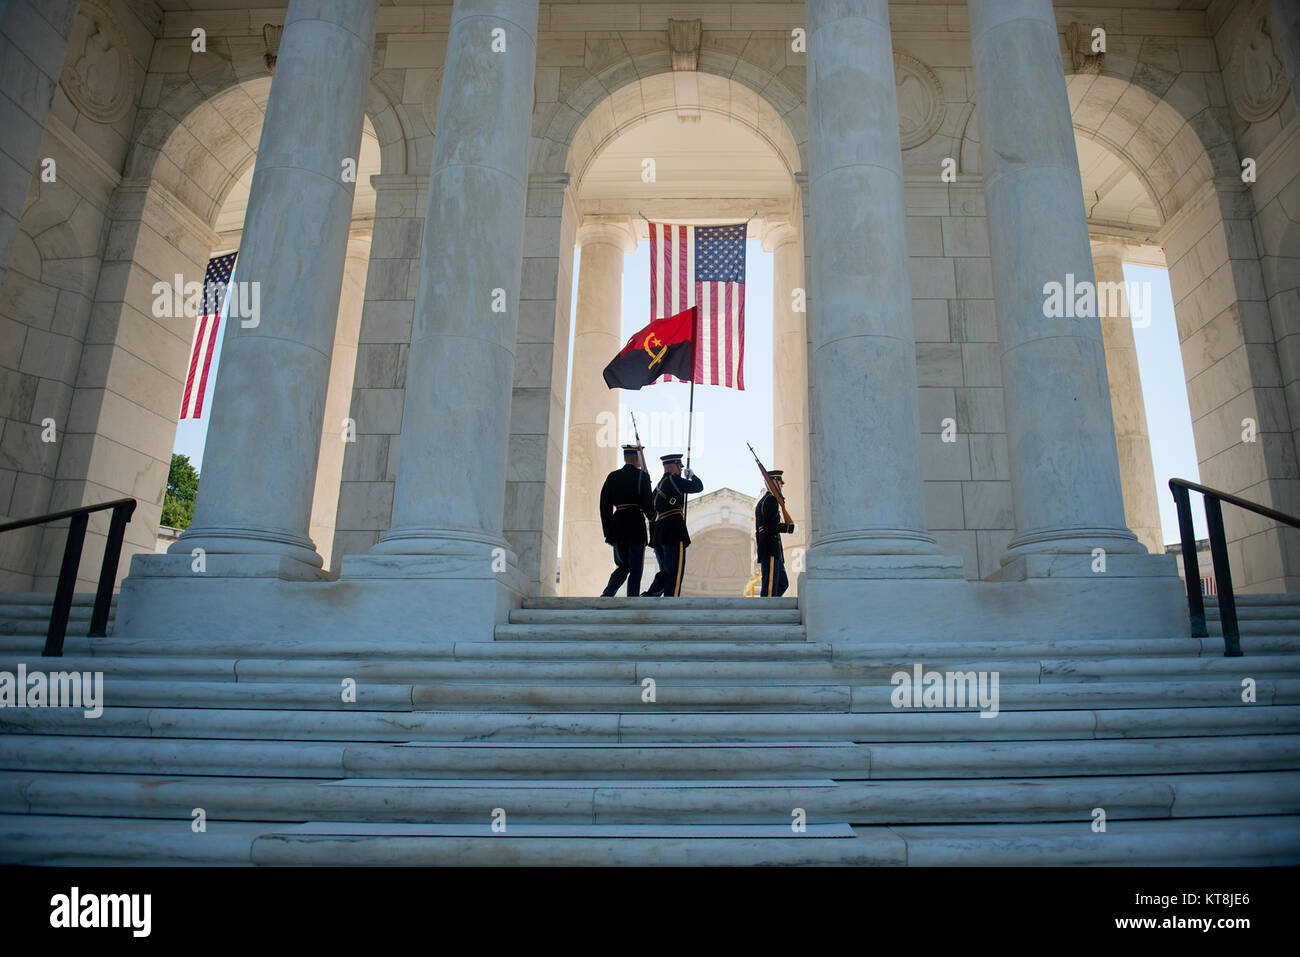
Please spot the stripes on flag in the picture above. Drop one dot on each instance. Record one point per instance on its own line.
(703, 266)
(216, 279)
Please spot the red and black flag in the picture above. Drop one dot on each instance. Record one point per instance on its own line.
(661, 348)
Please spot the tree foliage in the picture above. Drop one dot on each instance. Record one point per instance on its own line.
(182, 487)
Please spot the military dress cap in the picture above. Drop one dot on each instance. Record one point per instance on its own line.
(669, 459)
(631, 448)
(776, 473)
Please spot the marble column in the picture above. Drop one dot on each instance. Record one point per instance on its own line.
(336, 436)
(1065, 471)
(789, 378)
(1137, 475)
(449, 498)
(593, 406)
(864, 356)
(264, 438)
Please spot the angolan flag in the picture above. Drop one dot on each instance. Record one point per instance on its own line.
(704, 266)
(206, 334)
(662, 347)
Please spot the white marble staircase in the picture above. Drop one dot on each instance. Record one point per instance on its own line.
(750, 721)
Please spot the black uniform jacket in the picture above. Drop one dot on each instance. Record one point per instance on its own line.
(768, 526)
(669, 525)
(625, 504)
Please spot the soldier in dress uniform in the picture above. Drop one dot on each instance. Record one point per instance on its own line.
(768, 529)
(670, 538)
(625, 504)
(656, 589)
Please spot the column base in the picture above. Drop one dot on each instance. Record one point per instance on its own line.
(1024, 567)
(1073, 541)
(424, 601)
(235, 542)
(1057, 597)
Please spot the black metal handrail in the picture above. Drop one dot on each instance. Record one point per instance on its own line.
(123, 509)
(1214, 498)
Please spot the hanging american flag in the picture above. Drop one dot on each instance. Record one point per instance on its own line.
(206, 338)
(703, 266)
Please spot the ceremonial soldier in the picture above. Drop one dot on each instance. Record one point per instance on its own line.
(656, 589)
(670, 538)
(625, 504)
(768, 529)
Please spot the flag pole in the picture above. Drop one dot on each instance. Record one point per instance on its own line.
(690, 414)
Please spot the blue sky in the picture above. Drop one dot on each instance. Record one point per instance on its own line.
(725, 419)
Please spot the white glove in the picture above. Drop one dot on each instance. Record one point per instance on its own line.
(686, 474)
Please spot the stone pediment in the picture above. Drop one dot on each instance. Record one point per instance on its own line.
(721, 507)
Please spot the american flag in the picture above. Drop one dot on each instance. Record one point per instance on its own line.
(703, 266)
(206, 338)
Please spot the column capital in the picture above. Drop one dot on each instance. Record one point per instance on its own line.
(617, 232)
(776, 233)
(1108, 251)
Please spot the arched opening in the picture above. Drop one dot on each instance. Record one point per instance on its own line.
(181, 200)
(1165, 189)
(700, 150)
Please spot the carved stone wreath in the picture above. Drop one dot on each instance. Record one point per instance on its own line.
(920, 100)
(100, 75)
(1257, 79)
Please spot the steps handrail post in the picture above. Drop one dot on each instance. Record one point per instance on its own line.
(67, 582)
(108, 570)
(1191, 566)
(1222, 577)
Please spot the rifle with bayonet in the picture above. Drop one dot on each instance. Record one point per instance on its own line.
(773, 487)
(640, 452)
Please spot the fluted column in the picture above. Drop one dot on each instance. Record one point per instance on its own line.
(864, 356)
(451, 476)
(1065, 472)
(593, 406)
(1137, 475)
(264, 439)
(789, 377)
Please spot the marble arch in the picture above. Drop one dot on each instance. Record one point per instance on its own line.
(192, 151)
(607, 228)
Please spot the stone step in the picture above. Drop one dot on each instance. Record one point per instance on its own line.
(534, 761)
(1255, 613)
(773, 671)
(704, 604)
(1221, 841)
(672, 694)
(83, 841)
(46, 598)
(375, 649)
(670, 616)
(1182, 716)
(1262, 626)
(1251, 600)
(658, 650)
(28, 613)
(635, 632)
(664, 802)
